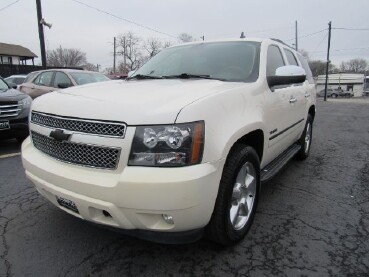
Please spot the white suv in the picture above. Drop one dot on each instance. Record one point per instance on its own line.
(181, 147)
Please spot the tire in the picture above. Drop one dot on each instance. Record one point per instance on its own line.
(334, 96)
(237, 200)
(305, 140)
(20, 139)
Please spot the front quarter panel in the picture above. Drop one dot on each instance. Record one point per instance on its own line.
(228, 116)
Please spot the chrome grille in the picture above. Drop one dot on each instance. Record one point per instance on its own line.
(95, 127)
(10, 109)
(76, 153)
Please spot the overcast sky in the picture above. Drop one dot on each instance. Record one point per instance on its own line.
(77, 26)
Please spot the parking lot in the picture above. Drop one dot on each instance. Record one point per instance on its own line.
(312, 219)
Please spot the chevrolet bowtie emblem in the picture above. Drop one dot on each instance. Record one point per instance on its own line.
(59, 135)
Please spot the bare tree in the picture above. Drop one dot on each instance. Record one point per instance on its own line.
(129, 46)
(90, 67)
(318, 67)
(304, 53)
(152, 46)
(354, 65)
(66, 57)
(167, 44)
(184, 37)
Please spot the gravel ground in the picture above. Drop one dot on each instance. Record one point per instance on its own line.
(312, 220)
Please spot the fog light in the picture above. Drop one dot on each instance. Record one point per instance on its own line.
(168, 218)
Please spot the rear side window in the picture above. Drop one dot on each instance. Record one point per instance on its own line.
(61, 78)
(274, 60)
(18, 80)
(30, 77)
(305, 65)
(44, 79)
(290, 57)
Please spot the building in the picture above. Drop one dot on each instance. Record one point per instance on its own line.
(12, 54)
(347, 81)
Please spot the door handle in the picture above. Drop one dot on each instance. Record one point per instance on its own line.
(307, 94)
(293, 100)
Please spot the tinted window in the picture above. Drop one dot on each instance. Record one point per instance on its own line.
(18, 80)
(82, 78)
(44, 79)
(30, 76)
(305, 65)
(61, 78)
(3, 85)
(229, 61)
(274, 60)
(290, 57)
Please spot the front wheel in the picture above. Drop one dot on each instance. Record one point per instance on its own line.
(237, 198)
(305, 140)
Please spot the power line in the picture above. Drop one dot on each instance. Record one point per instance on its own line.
(7, 6)
(123, 19)
(307, 35)
(250, 32)
(352, 29)
(343, 49)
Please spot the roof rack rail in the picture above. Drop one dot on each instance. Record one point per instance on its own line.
(280, 41)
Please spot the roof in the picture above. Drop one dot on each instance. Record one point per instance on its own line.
(16, 50)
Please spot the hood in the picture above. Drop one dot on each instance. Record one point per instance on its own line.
(135, 102)
(11, 95)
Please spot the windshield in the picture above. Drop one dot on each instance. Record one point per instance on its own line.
(228, 61)
(82, 78)
(3, 85)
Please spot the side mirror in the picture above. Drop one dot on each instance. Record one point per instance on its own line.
(287, 75)
(12, 85)
(64, 85)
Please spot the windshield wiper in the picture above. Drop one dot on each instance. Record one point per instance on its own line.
(142, 77)
(190, 76)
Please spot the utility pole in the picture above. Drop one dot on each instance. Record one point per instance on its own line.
(296, 47)
(114, 55)
(328, 61)
(41, 33)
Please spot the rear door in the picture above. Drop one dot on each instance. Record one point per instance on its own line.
(298, 98)
(41, 84)
(278, 109)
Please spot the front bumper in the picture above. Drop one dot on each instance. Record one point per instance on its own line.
(135, 197)
(18, 128)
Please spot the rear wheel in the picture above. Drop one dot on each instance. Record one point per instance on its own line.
(305, 140)
(334, 95)
(237, 197)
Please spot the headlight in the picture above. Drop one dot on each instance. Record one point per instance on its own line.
(168, 145)
(26, 102)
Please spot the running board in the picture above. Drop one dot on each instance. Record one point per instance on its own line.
(278, 163)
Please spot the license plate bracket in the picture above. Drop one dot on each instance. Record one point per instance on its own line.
(4, 125)
(68, 204)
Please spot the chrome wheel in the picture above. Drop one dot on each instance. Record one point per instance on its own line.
(243, 196)
(307, 137)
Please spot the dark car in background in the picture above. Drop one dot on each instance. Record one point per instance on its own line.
(334, 93)
(14, 110)
(44, 81)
